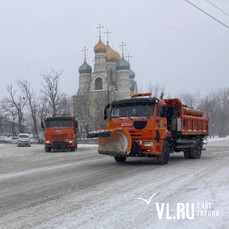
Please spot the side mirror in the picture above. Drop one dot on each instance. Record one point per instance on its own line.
(76, 124)
(42, 125)
(106, 111)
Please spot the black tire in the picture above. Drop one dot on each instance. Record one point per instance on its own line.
(195, 153)
(120, 159)
(187, 154)
(47, 149)
(73, 149)
(164, 157)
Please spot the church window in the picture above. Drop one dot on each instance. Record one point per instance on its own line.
(98, 83)
(111, 74)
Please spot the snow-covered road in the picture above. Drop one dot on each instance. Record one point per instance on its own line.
(85, 190)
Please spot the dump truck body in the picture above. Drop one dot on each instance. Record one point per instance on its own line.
(151, 127)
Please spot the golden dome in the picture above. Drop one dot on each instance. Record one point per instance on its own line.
(100, 47)
(111, 55)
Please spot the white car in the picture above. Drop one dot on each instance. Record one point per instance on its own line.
(23, 140)
(14, 140)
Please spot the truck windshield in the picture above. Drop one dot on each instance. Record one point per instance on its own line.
(59, 123)
(132, 110)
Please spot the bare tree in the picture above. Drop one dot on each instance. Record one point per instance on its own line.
(222, 111)
(18, 104)
(51, 89)
(97, 112)
(82, 114)
(156, 89)
(189, 99)
(43, 108)
(9, 112)
(65, 105)
(89, 112)
(31, 101)
(216, 106)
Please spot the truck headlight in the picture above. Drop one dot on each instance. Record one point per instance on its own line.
(148, 143)
(70, 141)
(47, 141)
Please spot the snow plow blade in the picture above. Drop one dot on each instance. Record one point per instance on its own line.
(99, 133)
(114, 142)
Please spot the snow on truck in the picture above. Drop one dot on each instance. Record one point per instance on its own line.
(146, 126)
(60, 132)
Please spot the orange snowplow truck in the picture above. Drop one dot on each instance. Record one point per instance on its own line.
(144, 126)
(60, 133)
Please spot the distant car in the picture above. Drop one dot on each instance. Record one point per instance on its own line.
(23, 140)
(34, 140)
(14, 140)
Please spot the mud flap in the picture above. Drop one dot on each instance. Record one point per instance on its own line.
(114, 142)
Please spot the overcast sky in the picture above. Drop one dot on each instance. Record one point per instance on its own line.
(171, 42)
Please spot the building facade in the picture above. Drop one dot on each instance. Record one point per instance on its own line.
(111, 79)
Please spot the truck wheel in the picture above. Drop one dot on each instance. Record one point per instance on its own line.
(195, 153)
(187, 154)
(47, 149)
(120, 159)
(73, 149)
(164, 157)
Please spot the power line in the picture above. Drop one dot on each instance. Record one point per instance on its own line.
(218, 8)
(207, 14)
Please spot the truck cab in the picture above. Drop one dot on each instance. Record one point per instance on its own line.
(145, 121)
(60, 133)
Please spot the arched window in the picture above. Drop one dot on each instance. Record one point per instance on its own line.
(111, 75)
(98, 83)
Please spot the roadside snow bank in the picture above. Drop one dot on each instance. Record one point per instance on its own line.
(87, 145)
(215, 139)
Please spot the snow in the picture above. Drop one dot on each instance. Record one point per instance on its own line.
(117, 204)
(5, 138)
(83, 189)
(216, 138)
(87, 146)
(2, 145)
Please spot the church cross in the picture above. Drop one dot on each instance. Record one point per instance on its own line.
(107, 32)
(85, 52)
(122, 46)
(128, 57)
(99, 28)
